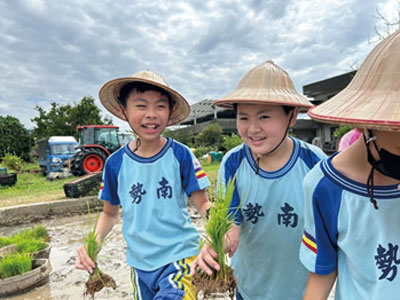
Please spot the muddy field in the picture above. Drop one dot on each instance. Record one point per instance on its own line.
(68, 283)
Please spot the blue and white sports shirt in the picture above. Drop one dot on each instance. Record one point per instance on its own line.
(153, 195)
(344, 232)
(266, 263)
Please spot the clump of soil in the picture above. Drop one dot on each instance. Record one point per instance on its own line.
(211, 284)
(97, 281)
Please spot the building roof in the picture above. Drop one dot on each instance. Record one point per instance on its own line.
(330, 86)
(202, 109)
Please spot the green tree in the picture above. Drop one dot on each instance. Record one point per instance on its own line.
(341, 131)
(86, 112)
(179, 135)
(63, 119)
(210, 136)
(15, 138)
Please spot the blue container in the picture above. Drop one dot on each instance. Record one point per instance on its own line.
(3, 171)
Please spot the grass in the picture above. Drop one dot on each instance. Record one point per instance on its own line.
(211, 170)
(34, 188)
(31, 187)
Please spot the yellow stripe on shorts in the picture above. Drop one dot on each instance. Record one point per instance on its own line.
(135, 285)
(183, 278)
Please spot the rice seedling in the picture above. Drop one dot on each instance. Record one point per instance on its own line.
(5, 241)
(97, 280)
(28, 245)
(15, 264)
(220, 221)
(37, 232)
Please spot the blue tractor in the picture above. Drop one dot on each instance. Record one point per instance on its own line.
(55, 153)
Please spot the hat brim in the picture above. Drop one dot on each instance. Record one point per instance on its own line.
(109, 94)
(372, 98)
(340, 119)
(229, 103)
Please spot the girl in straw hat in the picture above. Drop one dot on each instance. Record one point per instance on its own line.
(150, 179)
(269, 168)
(352, 216)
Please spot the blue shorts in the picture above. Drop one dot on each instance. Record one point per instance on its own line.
(238, 296)
(172, 282)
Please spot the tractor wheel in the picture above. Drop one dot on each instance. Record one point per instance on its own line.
(76, 164)
(92, 161)
(43, 171)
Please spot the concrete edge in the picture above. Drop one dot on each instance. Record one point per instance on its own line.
(31, 213)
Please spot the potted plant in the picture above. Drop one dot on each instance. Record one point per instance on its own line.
(20, 272)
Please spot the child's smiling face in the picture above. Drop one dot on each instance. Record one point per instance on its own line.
(262, 126)
(148, 114)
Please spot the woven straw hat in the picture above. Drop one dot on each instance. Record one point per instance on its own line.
(372, 98)
(265, 84)
(109, 94)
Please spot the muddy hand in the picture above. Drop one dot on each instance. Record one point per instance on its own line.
(204, 260)
(83, 261)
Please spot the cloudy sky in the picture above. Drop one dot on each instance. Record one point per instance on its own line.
(61, 51)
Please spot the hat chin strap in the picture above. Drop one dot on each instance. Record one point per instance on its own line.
(277, 146)
(370, 180)
(137, 139)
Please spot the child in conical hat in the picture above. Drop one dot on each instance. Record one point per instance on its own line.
(352, 216)
(269, 168)
(150, 179)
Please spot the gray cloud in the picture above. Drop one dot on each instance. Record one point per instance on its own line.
(61, 51)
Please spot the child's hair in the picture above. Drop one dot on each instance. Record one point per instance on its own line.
(286, 108)
(141, 87)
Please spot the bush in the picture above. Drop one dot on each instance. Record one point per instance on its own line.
(341, 131)
(13, 162)
(179, 135)
(231, 141)
(211, 136)
(199, 152)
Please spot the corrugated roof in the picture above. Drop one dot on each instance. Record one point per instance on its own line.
(202, 109)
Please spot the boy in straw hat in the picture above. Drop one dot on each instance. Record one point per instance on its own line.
(352, 216)
(269, 168)
(150, 178)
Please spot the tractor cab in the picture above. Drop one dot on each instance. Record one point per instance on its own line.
(105, 136)
(97, 142)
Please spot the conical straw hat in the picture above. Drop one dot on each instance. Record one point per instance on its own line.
(265, 84)
(109, 94)
(372, 99)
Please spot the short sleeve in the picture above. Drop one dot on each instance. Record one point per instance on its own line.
(194, 178)
(109, 184)
(318, 251)
(227, 171)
